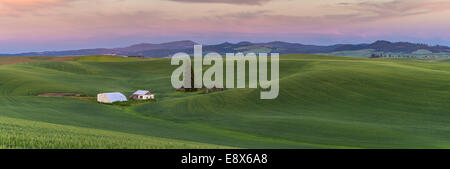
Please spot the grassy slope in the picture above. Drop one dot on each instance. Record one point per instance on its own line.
(324, 102)
(17, 133)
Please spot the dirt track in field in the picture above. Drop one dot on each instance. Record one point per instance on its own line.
(59, 94)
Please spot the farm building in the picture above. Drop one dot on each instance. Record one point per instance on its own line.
(142, 95)
(111, 97)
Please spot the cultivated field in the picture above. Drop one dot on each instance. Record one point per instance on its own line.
(324, 102)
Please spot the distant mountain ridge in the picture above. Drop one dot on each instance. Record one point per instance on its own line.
(170, 48)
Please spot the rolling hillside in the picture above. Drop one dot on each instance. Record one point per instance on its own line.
(324, 102)
(168, 49)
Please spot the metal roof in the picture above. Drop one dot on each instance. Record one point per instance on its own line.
(141, 92)
(116, 97)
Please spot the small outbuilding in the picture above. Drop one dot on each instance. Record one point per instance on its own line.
(111, 97)
(142, 95)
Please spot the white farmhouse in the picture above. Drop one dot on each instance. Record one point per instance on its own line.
(111, 97)
(142, 95)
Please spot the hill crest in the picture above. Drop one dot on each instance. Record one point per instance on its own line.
(169, 48)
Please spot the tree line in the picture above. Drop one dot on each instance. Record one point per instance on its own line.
(381, 55)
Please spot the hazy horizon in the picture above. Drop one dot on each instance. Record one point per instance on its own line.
(127, 45)
(48, 25)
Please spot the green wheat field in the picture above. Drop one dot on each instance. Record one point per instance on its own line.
(324, 102)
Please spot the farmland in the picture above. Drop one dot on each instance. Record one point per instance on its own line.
(324, 102)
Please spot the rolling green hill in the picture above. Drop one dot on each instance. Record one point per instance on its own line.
(23, 134)
(324, 102)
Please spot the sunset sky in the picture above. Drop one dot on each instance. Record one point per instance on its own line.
(40, 25)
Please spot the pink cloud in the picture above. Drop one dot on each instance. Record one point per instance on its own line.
(242, 2)
(64, 21)
(18, 4)
(24, 7)
(397, 8)
(26, 2)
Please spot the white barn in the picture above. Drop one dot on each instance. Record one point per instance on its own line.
(142, 95)
(111, 97)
